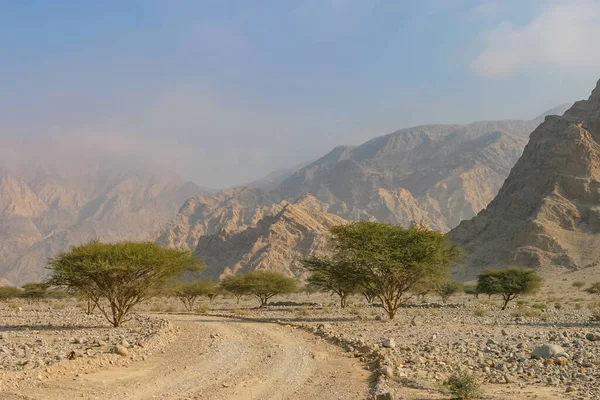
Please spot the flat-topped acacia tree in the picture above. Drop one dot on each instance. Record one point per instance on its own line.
(117, 276)
(261, 284)
(508, 283)
(392, 261)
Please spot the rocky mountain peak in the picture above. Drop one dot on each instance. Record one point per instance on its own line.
(548, 210)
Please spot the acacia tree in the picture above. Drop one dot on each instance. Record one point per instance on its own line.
(34, 291)
(266, 284)
(262, 284)
(392, 259)
(235, 285)
(118, 276)
(334, 276)
(188, 292)
(508, 283)
(448, 289)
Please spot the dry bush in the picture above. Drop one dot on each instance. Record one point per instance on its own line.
(202, 309)
(463, 386)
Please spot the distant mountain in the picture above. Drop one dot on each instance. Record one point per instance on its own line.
(547, 212)
(46, 207)
(276, 242)
(433, 174)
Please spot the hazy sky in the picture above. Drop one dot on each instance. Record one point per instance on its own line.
(224, 92)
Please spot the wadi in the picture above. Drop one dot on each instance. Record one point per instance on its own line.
(325, 200)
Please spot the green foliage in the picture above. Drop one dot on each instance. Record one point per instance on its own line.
(9, 292)
(188, 292)
(448, 289)
(266, 284)
(34, 291)
(235, 285)
(124, 274)
(333, 276)
(463, 386)
(508, 283)
(262, 284)
(394, 260)
(471, 289)
(578, 284)
(594, 288)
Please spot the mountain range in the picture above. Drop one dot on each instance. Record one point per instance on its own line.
(48, 206)
(434, 174)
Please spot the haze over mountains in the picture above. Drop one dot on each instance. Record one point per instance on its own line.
(48, 205)
(434, 174)
(547, 213)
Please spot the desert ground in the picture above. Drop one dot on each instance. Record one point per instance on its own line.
(305, 347)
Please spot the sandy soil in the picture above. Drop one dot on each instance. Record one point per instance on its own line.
(218, 358)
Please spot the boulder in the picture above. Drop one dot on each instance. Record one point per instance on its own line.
(545, 351)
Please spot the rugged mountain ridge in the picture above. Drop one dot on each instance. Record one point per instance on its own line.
(276, 242)
(45, 209)
(435, 174)
(547, 212)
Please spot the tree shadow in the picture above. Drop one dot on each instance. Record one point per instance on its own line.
(48, 327)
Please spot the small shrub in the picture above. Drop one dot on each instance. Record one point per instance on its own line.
(463, 386)
(521, 303)
(557, 306)
(578, 285)
(355, 310)
(594, 288)
(481, 311)
(202, 309)
(578, 306)
(304, 311)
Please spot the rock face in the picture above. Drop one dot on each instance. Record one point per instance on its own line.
(277, 242)
(547, 213)
(231, 210)
(437, 174)
(434, 174)
(45, 210)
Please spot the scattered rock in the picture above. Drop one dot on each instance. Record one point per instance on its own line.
(120, 350)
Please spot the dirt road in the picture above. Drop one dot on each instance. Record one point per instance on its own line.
(217, 358)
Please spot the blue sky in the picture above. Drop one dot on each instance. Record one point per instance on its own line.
(226, 91)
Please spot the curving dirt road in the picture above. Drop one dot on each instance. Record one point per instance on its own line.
(218, 358)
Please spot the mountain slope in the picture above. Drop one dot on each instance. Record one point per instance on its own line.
(445, 173)
(547, 213)
(276, 242)
(46, 208)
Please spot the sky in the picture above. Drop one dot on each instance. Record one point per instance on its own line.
(224, 92)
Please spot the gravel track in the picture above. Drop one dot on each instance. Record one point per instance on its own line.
(221, 358)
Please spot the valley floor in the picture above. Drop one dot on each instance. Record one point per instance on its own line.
(219, 358)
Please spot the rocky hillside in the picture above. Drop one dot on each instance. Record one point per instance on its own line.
(45, 208)
(276, 242)
(547, 213)
(435, 174)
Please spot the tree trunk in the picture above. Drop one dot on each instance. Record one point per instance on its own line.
(506, 300)
(343, 300)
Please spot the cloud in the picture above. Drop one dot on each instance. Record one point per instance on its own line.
(564, 34)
